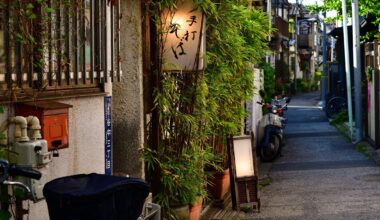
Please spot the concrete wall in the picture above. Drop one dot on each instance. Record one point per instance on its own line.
(259, 84)
(128, 126)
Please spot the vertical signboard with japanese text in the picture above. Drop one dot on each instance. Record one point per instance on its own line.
(184, 38)
(108, 135)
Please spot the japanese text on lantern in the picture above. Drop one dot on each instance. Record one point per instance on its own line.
(184, 43)
(179, 49)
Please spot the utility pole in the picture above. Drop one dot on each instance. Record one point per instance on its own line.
(332, 48)
(324, 54)
(269, 14)
(295, 47)
(357, 71)
(347, 66)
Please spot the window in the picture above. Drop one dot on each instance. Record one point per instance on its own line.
(58, 47)
(305, 27)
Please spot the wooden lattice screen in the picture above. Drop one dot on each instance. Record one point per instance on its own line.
(59, 44)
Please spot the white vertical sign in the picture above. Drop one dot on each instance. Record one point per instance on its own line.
(184, 38)
(243, 158)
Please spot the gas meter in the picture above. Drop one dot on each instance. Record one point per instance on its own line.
(33, 154)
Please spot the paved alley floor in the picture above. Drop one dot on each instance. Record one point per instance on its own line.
(321, 175)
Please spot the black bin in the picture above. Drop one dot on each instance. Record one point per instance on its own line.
(96, 197)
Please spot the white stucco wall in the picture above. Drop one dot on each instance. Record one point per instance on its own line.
(299, 71)
(85, 153)
(254, 109)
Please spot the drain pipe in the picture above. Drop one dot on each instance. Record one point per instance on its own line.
(34, 123)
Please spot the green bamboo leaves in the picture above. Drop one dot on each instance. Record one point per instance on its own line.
(236, 38)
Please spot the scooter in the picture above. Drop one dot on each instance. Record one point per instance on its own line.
(282, 104)
(271, 133)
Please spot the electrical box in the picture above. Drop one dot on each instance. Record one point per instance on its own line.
(54, 120)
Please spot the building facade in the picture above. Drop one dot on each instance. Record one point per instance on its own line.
(89, 57)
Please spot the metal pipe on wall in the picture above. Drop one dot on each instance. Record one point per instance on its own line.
(324, 52)
(295, 48)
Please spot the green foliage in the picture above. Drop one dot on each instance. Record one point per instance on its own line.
(5, 214)
(369, 72)
(365, 7)
(283, 88)
(236, 38)
(265, 181)
(303, 85)
(362, 147)
(6, 153)
(31, 24)
(196, 109)
(318, 76)
(183, 178)
(307, 85)
(340, 118)
(11, 156)
(183, 153)
(20, 193)
(4, 201)
(269, 80)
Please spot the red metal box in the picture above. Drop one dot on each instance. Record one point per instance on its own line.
(54, 120)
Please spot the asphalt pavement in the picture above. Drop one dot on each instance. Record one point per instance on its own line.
(321, 175)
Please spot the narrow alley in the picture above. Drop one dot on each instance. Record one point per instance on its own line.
(169, 109)
(320, 175)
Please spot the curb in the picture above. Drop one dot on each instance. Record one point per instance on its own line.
(370, 151)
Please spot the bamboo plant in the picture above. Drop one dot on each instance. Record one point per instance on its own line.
(236, 39)
(198, 110)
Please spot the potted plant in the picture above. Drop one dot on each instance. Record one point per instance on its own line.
(202, 158)
(183, 182)
(219, 178)
(195, 209)
(182, 153)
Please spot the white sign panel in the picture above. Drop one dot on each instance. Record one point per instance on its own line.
(184, 38)
(243, 158)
